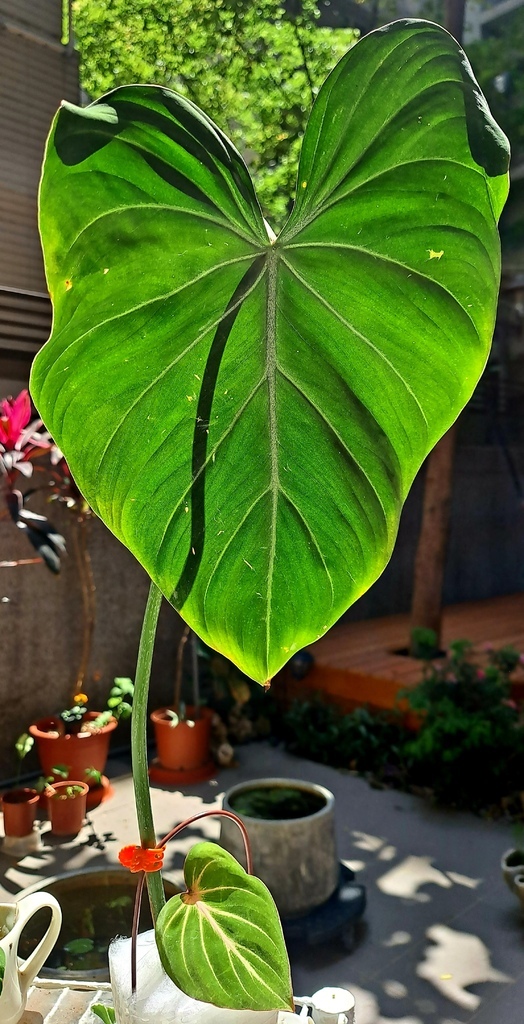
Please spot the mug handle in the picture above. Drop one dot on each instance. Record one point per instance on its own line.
(28, 906)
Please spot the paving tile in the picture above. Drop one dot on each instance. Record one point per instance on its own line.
(395, 839)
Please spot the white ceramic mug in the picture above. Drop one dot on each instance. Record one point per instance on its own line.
(18, 975)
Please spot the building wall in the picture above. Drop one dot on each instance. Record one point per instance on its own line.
(36, 73)
(40, 614)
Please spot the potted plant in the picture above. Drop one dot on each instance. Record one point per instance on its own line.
(281, 393)
(20, 804)
(79, 738)
(183, 731)
(66, 806)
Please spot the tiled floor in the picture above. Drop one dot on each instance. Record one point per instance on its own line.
(443, 939)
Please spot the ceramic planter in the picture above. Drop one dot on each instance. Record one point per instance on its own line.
(78, 751)
(67, 813)
(183, 749)
(295, 857)
(512, 864)
(18, 974)
(20, 807)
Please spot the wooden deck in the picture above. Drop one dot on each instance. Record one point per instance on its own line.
(355, 663)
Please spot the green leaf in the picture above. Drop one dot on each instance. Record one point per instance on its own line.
(106, 1013)
(2, 969)
(23, 745)
(222, 941)
(77, 947)
(248, 416)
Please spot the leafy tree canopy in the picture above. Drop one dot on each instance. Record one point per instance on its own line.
(249, 65)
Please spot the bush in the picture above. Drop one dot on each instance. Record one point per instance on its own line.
(468, 751)
(470, 747)
(362, 740)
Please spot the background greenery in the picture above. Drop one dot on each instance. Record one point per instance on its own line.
(255, 67)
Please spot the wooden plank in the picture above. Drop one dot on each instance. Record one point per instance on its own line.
(354, 663)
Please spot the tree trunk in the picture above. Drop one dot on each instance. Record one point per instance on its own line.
(430, 559)
(454, 17)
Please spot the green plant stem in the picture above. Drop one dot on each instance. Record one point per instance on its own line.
(139, 742)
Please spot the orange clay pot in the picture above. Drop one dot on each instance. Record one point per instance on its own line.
(66, 813)
(19, 807)
(78, 751)
(183, 747)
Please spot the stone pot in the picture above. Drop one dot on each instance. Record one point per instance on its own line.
(296, 857)
(512, 864)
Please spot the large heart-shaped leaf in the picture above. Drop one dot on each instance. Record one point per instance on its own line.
(222, 940)
(247, 415)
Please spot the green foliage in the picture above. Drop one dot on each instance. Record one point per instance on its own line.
(366, 741)
(222, 941)
(120, 698)
(498, 62)
(2, 969)
(468, 750)
(253, 69)
(423, 643)
(470, 747)
(173, 308)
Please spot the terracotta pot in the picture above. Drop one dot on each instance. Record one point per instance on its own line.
(20, 806)
(78, 751)
(182, 747)
(67, 813)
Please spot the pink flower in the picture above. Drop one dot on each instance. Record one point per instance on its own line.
(480, 673)
(14, 416)
(509, 704)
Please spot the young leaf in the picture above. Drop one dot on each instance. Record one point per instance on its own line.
(222, 941)
(106, 1013)
(253, 412)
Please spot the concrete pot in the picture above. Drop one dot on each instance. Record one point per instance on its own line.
(295, 857)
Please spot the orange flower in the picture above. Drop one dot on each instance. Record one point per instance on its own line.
(81, 698)
(139, 858)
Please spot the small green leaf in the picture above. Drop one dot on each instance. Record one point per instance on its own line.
(106, 1013)
(2, 969)
(221, 941)
(77, 947)
(23, 745)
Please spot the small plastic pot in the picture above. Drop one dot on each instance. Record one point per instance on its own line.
(67, 812)
(20, 807)
(182, 747)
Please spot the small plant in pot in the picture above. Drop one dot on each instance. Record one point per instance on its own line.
(183, 731)
(20, 804)
(79, 738)
(260, 467)
(66, 806)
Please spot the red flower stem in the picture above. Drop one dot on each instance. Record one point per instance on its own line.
(134, 931)
(218, 813)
